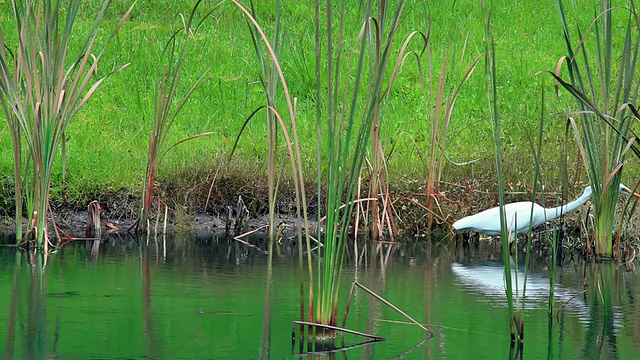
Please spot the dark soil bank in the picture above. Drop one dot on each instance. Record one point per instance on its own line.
(239, 205)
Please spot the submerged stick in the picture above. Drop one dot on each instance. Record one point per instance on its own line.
(334, 350)
(330, 327)
(346, 310)
(393, 307)
(566, 302)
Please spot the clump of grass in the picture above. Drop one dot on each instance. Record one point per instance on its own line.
(345, 119)
(290, 134)
(167, 104)
(269, 81)
(345, 123)
(439, 99)
(44, 86)
(601, 78)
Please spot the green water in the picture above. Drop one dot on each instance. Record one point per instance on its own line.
(208, 297)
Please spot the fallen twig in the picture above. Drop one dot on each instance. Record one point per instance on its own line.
(370, 292)
(566, 302)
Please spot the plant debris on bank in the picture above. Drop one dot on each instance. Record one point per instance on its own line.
(187, 196)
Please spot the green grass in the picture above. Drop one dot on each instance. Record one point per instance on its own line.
(108, 140)
(602, 79)
(46, 78)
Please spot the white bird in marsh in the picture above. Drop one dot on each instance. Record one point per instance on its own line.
(518, 214)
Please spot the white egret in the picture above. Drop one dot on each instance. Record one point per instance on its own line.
(518, 214)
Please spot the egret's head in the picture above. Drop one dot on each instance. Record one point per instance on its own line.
(624, 190)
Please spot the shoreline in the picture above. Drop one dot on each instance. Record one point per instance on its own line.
(455, 202)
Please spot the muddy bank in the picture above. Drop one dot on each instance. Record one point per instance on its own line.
(239, 206)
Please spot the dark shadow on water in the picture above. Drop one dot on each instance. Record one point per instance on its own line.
(516, 351)
(11, 325)
(328, 348)
(153, 345)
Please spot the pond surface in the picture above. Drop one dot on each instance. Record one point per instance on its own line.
(209, 297)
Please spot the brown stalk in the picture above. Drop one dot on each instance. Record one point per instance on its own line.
(295, 156)
(386, 302)
(378, 162)
(633, 255)
(93, 218)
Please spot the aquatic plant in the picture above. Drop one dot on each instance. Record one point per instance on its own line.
(344, 124)
(290, 134)
(507, 234)
(346, 120)
(601, 78)
(439, 93)
(44, 85)
(167, 105)
(440, 90)
(269, 81)
(378, 188)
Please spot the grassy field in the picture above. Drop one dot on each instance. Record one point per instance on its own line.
(107, 142)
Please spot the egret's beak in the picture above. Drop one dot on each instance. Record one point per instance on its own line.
(626, 191)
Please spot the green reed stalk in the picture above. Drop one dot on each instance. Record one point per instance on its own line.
(552, 272)
(290, 134)
(269, 80)
(265, 344)
(347, 123)
(378, 186)
(377, 161)
(536, 150)
(602, 95)
(44, 87)
(14, 131)
(556, 256)
(492, 102)
(166, 105)
(377, 152)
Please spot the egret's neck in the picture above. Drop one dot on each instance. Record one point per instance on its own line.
(552, 213)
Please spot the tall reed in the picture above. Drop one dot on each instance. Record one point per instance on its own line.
(269, 81)
(290, 133)
(377, 162)
(440, 90)
(601, 78)
(346, 120)
(44, 86)
(167, 103)
(439, 101)
(506, 234)
(344, 114)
